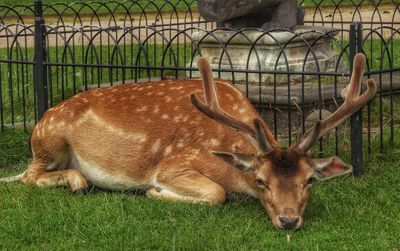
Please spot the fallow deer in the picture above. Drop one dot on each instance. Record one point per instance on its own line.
(163, 138)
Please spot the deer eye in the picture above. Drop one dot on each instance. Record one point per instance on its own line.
(310, 181)
(261, 183)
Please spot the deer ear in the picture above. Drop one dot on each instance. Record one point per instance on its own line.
(328, 168)
(243, 161)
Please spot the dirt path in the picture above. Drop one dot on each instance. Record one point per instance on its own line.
(324, 16)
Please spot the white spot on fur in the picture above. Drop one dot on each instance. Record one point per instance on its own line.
(242, 110)
(230, 97)
(156, 146)
(178, 118)
(156, 109)
(246, 119)
(167, 150)
(141, 109)
(235, 107)
(210, 143)
(214, 142)
(165, 116)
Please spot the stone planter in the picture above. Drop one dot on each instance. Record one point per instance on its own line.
(306, 49)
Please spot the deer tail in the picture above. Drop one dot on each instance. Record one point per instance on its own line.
(12, 179)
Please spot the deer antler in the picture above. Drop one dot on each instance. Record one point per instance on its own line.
(211, 108)
(352, 103)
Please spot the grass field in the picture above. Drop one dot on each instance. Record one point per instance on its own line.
(343, 214)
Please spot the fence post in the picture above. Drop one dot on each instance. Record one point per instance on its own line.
(357, 162)
(40, 59)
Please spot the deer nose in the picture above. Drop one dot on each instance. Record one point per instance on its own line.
(289, 223)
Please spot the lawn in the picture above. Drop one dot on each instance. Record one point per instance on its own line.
(343, 214)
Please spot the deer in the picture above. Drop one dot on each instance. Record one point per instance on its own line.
(192, 140)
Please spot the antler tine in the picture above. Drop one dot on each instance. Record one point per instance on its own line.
(356, 76)
(352, 103)
(261, 136)
(212, 109)
(210, 93)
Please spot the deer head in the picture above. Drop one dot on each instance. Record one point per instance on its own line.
(284, 176)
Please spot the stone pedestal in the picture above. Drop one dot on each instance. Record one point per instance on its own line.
(306, 49)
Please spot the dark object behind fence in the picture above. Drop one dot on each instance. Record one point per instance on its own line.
(117, 45)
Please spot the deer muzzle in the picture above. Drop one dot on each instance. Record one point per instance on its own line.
(289, 220)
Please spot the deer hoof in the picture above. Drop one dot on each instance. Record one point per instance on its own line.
(82, 191)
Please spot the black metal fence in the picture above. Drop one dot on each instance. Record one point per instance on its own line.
(50, 52)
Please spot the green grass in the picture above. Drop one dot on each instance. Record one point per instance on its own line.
(343, 214)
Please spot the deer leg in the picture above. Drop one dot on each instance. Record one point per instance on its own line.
(189, 187)
(38, 175)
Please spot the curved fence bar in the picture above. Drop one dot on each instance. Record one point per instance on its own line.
(338, 14)
(179, 13)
